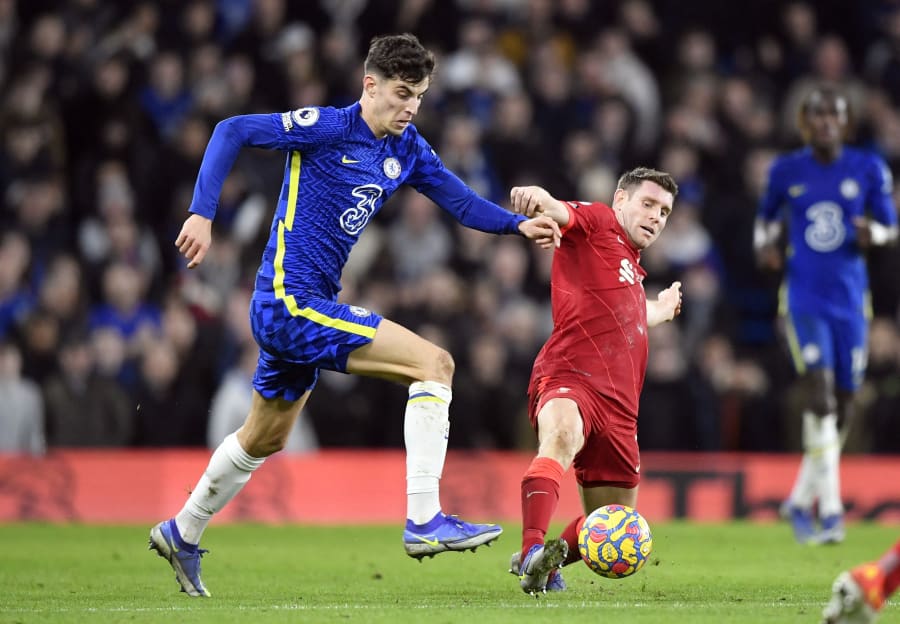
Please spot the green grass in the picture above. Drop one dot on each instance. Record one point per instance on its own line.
(723, 574)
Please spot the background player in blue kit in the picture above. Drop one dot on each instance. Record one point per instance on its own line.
(342, 165)
(836, 202)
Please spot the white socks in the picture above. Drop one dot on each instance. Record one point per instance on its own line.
(426, 427)
(228, 471)
(830, 479)
(819, 474)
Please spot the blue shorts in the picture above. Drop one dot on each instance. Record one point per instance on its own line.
(297, 338)
(819, 341)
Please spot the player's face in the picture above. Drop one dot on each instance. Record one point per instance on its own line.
(393, 103)
(643, 212)
(825, 120)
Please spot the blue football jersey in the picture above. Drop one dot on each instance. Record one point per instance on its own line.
(825, 269)
(337, 176)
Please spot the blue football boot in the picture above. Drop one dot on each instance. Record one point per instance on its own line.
(802, 522)
(536, 569)
(183, 557)
(555, 581)
(445, 532)
(832, 530)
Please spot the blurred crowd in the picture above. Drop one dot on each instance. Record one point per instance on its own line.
(106, 339)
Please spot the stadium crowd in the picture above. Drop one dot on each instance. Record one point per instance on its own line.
(106, 339)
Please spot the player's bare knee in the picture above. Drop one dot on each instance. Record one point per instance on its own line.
(440, 367)
(822, 404)
(561, 444)
(267, 445)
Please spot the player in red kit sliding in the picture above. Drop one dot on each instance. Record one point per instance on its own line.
(858, 595)
(587, 379)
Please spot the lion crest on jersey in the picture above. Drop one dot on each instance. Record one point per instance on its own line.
(849, 188)
(392, 168)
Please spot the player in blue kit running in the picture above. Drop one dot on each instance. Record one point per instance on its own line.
(342, 165)
(836, 202)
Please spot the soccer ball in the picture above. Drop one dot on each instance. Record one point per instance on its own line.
(615, 541)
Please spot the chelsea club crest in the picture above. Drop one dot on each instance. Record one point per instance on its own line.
(392, 168)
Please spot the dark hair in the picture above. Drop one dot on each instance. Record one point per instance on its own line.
(822, 92)
(826, 93)
(399, 56)
(634, 178)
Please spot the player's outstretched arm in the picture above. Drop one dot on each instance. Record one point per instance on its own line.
(194, 239)
(666, 306)
(535, 200)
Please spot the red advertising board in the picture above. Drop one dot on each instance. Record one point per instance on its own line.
(343, 486)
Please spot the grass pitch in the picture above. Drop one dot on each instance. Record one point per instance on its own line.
(698, 573)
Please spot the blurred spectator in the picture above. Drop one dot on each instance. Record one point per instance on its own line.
(62, 292)
(166, 99)
(478, 71)
(167, 413)
(488, 391)
(880, 394)
(39, 339)
(83, 408)
(22, 409)
(882, 62)
(125, 308)
(16, 298)
(421, 235)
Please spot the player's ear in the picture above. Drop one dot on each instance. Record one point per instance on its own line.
(621, 195)
(370, 84)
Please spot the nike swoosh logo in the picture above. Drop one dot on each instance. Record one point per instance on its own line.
(535, 492)
(430, 542)
(348, 161)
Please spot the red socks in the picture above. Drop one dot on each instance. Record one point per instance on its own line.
(892, 577)
(570, 534)
(540, 496)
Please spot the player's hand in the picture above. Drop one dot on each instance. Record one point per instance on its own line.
(194, 239)
(769, 258)
(529, 200)
(671, 298)
(863, 232)
(543, 230)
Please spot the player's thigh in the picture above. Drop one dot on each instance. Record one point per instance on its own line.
(809, 341)
(401, 355)
(560, 428)
(593, 497)
(850, 338)
(610, 457)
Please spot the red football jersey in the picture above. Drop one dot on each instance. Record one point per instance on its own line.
(599, 309)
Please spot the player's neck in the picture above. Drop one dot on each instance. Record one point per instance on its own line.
(827, 155)
(369, 118)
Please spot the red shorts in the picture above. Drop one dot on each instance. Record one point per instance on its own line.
(610, 456)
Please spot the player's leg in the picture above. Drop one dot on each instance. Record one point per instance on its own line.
(230, 467)
(560, 430)
(281, 386)
(398, 354)
(850, 338)
(608, 468)
(859, 594)
(811, 350)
